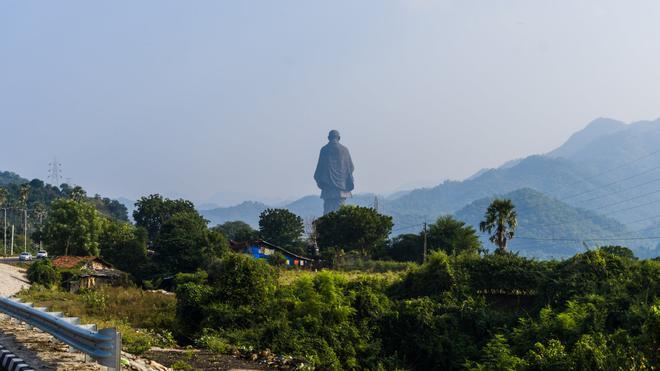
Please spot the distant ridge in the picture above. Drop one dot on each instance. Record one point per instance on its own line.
(543, 219)
(579, 166)
(578, 141)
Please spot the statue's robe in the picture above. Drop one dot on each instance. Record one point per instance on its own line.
(334, 174)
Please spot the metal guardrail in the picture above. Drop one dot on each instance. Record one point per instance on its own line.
(104, 346)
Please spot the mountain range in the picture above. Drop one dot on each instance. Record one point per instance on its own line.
(603, 181)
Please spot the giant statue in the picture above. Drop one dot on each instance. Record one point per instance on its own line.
(334, 173)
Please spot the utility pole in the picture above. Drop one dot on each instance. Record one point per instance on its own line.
(41, 228)
(425, 244)
(12, 240)
(5, 230)
(25, 229)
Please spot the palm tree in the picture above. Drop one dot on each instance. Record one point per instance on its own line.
(501, 222)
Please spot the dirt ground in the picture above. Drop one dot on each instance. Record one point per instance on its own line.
(204, 360)
(12, 279)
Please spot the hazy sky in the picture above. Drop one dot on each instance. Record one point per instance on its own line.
(226, 100)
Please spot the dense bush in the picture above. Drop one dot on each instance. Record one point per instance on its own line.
(42, 272)
(598, 310)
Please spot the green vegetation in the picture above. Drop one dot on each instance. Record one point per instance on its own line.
(237, 231)
(154, 210)
(184, 243)
(452, 236)
(596, 310)
(283, 228)
(73, 228)
(43, 273)
(500, 222)
(353, 228)
(144, 318)
(545, 218)
(461, 309)
(28, 205)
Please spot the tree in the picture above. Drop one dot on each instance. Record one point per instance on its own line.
(237, 231)
(124, 246)
(153, 211)
(452, 236)
(353, 228)
(407, 248)
(3, 196)
(550, 356)
(282, 227)
(24, 194)
(113, 209)
(185, 244)
(619, 251)
(500, 223)
(73, 228)
(496, 355)
(78, 194)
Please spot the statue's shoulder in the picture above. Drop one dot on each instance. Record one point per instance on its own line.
(334, 149)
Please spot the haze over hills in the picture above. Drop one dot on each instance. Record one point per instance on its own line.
(603, 181)
(609, 167)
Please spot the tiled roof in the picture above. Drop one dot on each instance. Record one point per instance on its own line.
(68, 262)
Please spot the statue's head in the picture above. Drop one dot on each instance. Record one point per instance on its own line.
(334, 135)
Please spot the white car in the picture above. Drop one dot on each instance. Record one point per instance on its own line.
(25, 256)
(41, 254)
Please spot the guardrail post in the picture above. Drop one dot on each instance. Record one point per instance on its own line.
(113, 363)
(118, 351)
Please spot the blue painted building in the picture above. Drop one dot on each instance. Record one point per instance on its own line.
(260, 249)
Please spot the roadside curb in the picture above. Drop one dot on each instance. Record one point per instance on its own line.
(10, 362)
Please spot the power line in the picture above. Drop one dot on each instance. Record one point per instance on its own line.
(407, 227)
(619, 191)
(634, 207)
(624, 201)
(617, 167)
(642, 220)
(610, 184)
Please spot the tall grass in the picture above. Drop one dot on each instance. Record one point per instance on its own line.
(145, 318)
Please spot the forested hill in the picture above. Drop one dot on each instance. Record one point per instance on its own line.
(7, 177)
(608, 167)
(548, 228)
(41, 195)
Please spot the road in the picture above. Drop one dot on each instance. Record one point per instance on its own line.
(12, 279)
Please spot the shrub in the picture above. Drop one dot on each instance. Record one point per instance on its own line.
(431, 279)
(42, 272)
(376, 266)
(95, 301)
(214, 343)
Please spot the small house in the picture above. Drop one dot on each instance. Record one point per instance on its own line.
(260, 249)
(85, 272)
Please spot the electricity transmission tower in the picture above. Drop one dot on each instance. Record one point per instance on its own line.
(55, 172)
